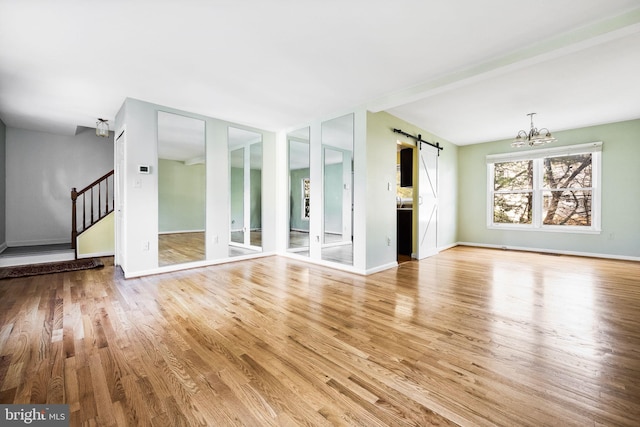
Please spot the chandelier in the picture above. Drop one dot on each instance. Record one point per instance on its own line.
(102, 128)
(534, 137)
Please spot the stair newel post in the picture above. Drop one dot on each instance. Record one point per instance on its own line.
(74, 225)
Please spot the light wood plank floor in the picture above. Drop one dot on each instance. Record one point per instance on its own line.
(470, 336)
(178, 248)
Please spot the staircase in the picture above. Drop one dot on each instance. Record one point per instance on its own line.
(24, 255)
(90, 205)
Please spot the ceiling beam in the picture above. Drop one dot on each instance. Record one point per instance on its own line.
(572, 41)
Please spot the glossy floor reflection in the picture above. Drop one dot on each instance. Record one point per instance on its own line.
(471, 337)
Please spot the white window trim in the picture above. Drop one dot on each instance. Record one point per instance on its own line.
(595, 148)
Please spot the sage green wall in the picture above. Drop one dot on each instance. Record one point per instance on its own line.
(237, 198)
(3, 183)
(620, 234)
(181, 196)
(256, 199)
(295, 215)
(333, 198)
(381, 199)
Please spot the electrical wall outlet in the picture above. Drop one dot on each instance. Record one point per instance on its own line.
(145, 246)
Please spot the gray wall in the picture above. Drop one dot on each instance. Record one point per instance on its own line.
(3, 185)
(41, 169)
(620, 234)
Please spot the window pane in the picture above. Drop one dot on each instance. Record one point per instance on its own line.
(567, 208)
(568, 171)
(513, 175)
(512, 208)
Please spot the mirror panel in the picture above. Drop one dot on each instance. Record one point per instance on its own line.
(337, 173)
(236, 179)
(299, 191)
(245, 177)
(255, 161)
(181, 189)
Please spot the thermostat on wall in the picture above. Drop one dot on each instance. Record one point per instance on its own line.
(144, 169)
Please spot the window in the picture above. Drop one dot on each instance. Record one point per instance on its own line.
(513, 192)
(553, 189)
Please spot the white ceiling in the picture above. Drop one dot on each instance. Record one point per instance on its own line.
(181, 138)
(465, 70)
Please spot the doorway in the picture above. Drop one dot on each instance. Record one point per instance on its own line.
(404, 201)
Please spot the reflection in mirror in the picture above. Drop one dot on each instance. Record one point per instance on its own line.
(299, 191)
(245, 178)
(255, 217)
(337, 174)
(181, 189)
(236, 159)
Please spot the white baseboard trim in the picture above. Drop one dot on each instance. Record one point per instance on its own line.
(3, 247)
(190, 265)
(381, 268)
(551, 251)
(323, 263)
(96, 254)
(338, 266)
(444, 248)
(181, 231)
(38, 242)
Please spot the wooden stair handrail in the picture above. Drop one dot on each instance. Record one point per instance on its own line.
(97, 181)
(75, 194)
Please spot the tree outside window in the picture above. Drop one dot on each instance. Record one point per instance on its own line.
(554, 189)
(567, 195)
(513, 192)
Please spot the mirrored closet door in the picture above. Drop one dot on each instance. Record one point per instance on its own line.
(299, 192)
(181, 189)
(245, 191)
(337, 173)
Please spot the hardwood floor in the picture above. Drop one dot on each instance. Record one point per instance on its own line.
(342, 254)
(178, 248)
(470, 336)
